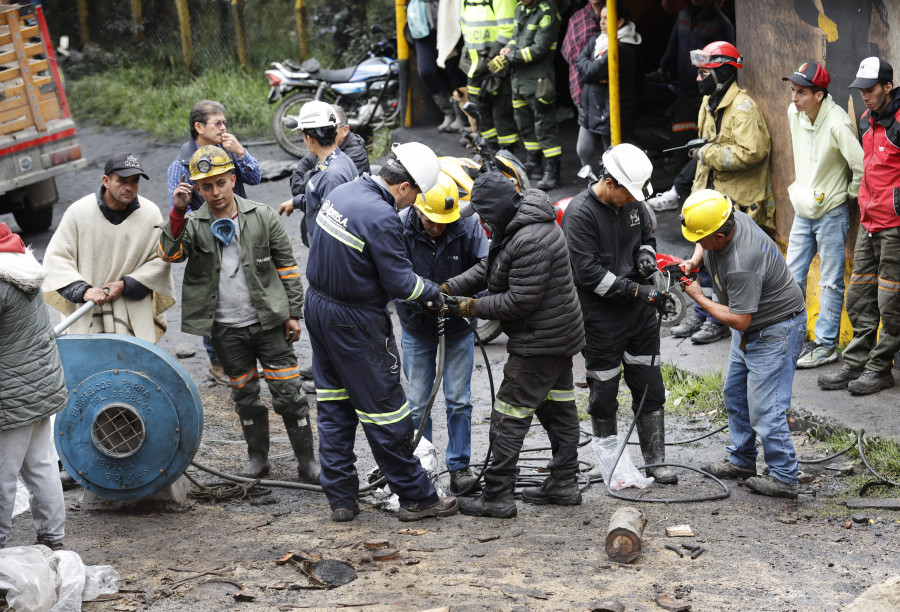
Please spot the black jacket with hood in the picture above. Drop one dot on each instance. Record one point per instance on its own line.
(531, 290)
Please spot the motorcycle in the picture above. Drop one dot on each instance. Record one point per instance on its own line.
(369, 92)
(682, 304)
(464, 171)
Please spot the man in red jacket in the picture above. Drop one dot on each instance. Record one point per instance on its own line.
(875, 281)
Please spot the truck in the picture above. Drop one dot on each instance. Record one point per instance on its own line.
(38, 139)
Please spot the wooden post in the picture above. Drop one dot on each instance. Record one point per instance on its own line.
(184, 24)
(237, 7)
(83, 22)
(300, 18)
(137, 19)
(623, 537)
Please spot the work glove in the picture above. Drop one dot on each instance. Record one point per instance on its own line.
(463, 307)
(498, 64)
(646, 264)
(697, 153)
(446, 289)
(661, 300)
(434, 306)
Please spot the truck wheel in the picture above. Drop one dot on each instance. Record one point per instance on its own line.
(33, 221)
(488, 330)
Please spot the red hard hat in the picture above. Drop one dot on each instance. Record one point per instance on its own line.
(716, 54)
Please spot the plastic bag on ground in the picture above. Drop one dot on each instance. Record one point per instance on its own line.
(41, 580)
(625, 475)
(384, 499)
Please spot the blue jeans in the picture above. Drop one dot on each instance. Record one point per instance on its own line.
(827, 236)
(758, 393)
(419, 357)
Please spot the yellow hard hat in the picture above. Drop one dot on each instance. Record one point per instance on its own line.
(209, 160)
(703, 213)
(440, 203)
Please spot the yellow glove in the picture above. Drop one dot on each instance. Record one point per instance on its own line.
(498, 64)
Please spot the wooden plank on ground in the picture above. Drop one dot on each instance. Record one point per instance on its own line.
(889, 503)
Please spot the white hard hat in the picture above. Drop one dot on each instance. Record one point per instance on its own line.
(631, 168)
(420, 162)
(316, 114)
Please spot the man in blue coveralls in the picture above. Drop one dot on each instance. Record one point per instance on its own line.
(357, 263)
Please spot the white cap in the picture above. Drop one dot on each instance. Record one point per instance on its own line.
(420, 161)
(316, 114)
(631, 168)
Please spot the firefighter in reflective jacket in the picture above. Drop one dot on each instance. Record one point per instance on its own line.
(530, 55)
(357, 263)
(487, 25)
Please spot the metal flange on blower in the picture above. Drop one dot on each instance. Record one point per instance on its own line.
(133, 420)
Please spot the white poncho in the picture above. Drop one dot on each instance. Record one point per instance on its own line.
(86, 247)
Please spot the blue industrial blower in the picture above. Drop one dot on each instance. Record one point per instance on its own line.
(133, 420)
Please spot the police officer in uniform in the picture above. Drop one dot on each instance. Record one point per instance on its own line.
(487, 25)
(530, 54)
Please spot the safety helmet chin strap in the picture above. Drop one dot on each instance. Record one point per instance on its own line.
(719, 85)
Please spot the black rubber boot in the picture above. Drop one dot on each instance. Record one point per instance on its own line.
(301, 437)
(499, 506)
(550, 179)
(533, 164)
(652, 436)
(559, 488)
(443, 103)
(604, 428)
(256, 433)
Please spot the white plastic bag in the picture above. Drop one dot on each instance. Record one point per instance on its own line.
(23, 497)
(384, 499)
(625, 475)
(41, 580)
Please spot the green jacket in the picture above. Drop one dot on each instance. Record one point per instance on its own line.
(534, 41)
(736, 160)
(267, 258)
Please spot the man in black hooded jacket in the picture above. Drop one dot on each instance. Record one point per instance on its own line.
(532, 294)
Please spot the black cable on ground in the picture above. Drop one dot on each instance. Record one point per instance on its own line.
(882, 481)
(829, 457)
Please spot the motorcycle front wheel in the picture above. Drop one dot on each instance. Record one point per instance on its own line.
(285, 117)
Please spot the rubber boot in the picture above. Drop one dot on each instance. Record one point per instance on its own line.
(559, 488)
(652, 436)
(533, 164)
(256, 433)
(550, 179)
(602, 428)
(301, 437)
(443, 103)
(460, 120)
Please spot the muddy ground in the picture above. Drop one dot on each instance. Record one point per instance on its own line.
(759, 553)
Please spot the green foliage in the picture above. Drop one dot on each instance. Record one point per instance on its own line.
(159, 103)
(688, 394)
(380, 143)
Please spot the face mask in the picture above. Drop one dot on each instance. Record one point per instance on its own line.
(707, 86)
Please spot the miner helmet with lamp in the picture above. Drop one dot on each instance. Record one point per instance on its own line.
(209, 160)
